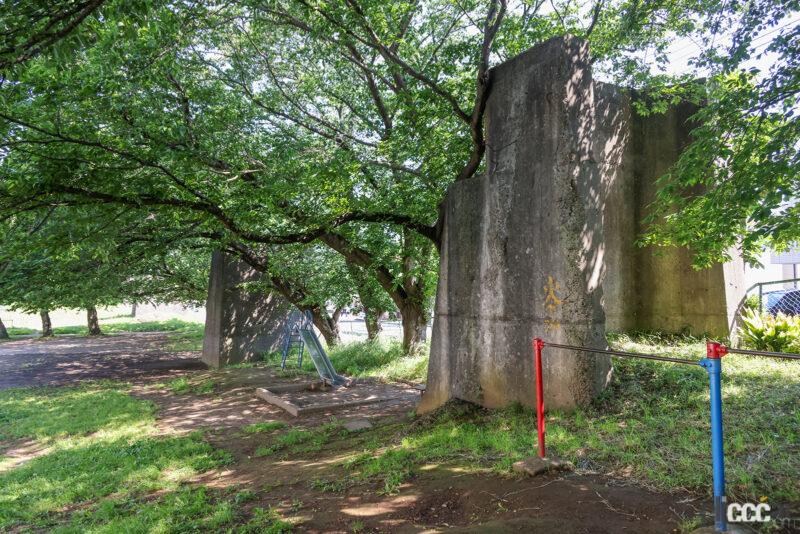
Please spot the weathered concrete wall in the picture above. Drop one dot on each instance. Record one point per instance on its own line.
(522, 246)
(544, 243)
(649, 288)
(619, 199)
(240, 325)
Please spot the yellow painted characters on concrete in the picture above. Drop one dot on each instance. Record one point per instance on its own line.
(552, 302)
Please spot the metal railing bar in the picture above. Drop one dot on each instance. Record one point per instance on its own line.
(782, 355)
(609, 352)
(770, 283)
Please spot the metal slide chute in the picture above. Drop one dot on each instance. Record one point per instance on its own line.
(300, 333)
(321, 360)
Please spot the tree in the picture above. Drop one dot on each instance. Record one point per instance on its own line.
(41, 274)
(92, 322)
(261, 125)
(24, 286)
(3, 331)
(372, 301)
(314, 279)
(737, 184)
(65, 258)
(175, 151)
(47, 324)
(34, 27)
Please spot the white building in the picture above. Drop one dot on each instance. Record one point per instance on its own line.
(775, 266)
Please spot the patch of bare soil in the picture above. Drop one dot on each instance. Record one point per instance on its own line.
(16, 453)
(233, 402)
(443, 499)
(68, 360)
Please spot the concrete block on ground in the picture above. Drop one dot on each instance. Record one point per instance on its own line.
(657, 288)
(535, 465)
(302, 399)
(522, 246)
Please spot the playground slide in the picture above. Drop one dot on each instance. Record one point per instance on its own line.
(320, 358)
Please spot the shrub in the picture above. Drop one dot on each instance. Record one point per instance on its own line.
(779, 333)
(752, 303)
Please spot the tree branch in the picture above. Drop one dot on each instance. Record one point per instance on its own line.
(39, 41)
(494, 18)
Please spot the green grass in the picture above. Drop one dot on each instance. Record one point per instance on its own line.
(266, 521)
(20, 331)
(301, 441)
(180, 385)
(105, 468)
(382, 359)
(186, 335)
(189, 337)
(268, 426)
(651, 425)
(183, 385)
(49, 413)
(79, 330)
(170, 325)
(186, 342)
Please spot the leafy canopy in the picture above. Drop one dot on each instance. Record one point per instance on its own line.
(737, 185)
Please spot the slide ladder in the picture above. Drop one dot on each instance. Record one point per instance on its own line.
(292, 339)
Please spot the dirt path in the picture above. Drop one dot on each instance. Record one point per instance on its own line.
(66, 360)
(437, 498)
(444, 497)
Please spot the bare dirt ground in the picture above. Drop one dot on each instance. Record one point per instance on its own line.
(67, 360)
(439, 498)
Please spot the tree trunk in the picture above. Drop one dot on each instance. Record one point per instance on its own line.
(47, 324)
(92, 321)
(337, 314)
(3, 331)
(372, 318)
(414, 326)
(408, 295)
(133, 310)
(328, 326)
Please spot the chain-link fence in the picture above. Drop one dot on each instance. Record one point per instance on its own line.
(779, 296)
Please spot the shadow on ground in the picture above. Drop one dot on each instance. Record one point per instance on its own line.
(68, 360)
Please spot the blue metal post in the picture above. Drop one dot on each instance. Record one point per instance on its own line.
(713, 366)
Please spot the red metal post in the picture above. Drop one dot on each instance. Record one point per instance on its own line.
(538, 345)
(715, 350)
